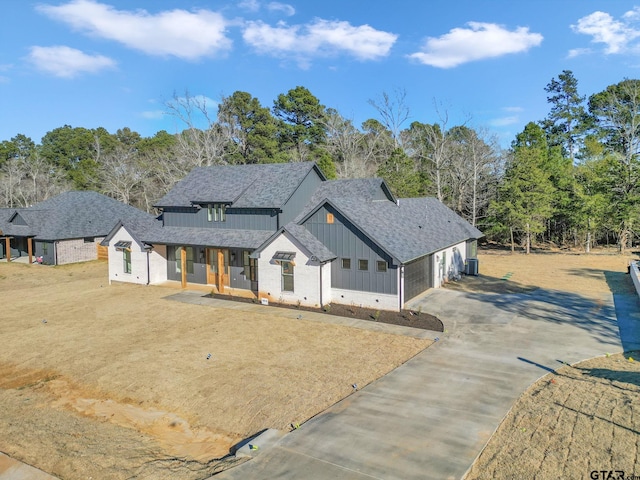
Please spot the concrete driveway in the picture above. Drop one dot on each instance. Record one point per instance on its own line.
(431, 417)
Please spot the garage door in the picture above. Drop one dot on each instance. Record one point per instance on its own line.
(417, 277)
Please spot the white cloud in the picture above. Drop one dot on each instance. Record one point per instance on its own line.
(153, 114)
(281, 7)
(513, 109)
(616, 35)
(477, 42)
(67, 62)
(178, 33)
(504, 121)
(321, 37)
(250, 5)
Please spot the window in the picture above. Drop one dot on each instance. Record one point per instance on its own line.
(381, 266)
(329, 217)
(178, 255)
(473, 249)
(363, 264)
(45, 248)
(346, 263)
(287, 276)
(126, 261)
(249, 266)
(216, 212)
(89, 239)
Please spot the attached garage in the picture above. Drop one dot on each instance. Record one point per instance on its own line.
(418, 277)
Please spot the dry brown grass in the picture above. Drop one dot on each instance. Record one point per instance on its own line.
(567, 424)
(113, 381)
(582, 418)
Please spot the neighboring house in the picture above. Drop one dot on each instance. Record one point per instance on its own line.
(283, 233)
(64, 229)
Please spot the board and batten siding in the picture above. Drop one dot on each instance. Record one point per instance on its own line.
(235, 218)
(199, 274)
(346, 241)
(300, 197)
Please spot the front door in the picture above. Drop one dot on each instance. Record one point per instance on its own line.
(218, 267)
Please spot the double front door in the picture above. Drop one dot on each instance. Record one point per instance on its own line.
(218, 267)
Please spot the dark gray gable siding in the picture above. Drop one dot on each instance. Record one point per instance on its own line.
(236, 218)
(347, 241)
(300, 197)
(18, 220)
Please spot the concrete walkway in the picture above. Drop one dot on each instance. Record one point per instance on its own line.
(11, 469)
(431, 417)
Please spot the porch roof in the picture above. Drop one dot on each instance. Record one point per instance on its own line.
(217, 237)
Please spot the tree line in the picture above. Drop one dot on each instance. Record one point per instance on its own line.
(570, 178)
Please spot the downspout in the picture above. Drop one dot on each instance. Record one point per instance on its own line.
(148, 269)
(401, 290)
(321, 305)
(55, 251)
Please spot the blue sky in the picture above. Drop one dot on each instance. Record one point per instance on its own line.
(114, 63)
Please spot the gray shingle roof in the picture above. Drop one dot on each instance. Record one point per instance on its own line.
(219, 237)
(362, 188)
(309, 242)
(410, 230)
(245, 186)
(72, 215)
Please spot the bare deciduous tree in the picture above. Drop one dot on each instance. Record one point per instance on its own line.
(393, 111)
(198, 147)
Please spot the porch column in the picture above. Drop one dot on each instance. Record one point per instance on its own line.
(30, 249)
(8, 248)
(220, 278)
(183, 264)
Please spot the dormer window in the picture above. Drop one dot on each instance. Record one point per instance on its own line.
(216, 212)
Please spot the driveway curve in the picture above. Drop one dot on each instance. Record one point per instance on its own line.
(431, 417)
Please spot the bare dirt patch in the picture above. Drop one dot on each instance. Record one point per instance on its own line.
(580, 418)
(113, 382)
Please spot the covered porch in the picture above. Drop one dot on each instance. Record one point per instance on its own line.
(14, 248)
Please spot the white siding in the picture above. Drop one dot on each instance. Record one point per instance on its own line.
(306, 274)
(379, 301)
(158, 264)
(157, 267)
(455, 257)
(326, 283)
